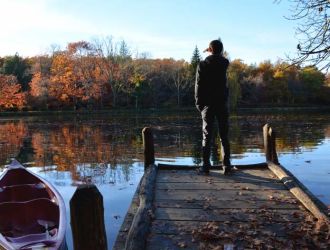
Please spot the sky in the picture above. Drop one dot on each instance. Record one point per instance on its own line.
(251, 30)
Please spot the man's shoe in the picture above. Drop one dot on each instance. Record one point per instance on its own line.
(203, 170)
(226, 169)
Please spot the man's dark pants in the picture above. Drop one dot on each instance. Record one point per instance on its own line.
(209, 115)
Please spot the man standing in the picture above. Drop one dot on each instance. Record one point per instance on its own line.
(211, 96)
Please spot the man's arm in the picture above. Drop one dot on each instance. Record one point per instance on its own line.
(227, 86)
(198, 81)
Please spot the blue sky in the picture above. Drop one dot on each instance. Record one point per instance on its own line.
(252, 30)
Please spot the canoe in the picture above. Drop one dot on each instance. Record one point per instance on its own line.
(32, 212)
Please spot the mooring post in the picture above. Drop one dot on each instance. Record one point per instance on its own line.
(148, 145)
(270, 144)
(87, 218)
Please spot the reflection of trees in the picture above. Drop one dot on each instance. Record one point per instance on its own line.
(11, 139)
(70, 145)
(293, 131)
(181, 135)
(116, 141)
(103, 173)
(26, 152)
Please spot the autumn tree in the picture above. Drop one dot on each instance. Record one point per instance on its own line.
(90, 75)
(137, 81)
(40, 83)
(11, 96)
(157, 82)
(39, 89)
(312, 80)
(109, 63)
(64, 85)
(176, 75)
(179, 76)
(77, 78)
(236, 73)
(277, 89)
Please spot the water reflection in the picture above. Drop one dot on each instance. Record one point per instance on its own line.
(66, 142)
(107, 150)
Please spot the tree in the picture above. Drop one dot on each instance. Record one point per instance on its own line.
(11, 96)
(19, 67)
(313, 32)
(179, 77)
(312, 80)
(40, 82)
(236, 73)
(289, 78)
(137, 81)
(277, 90)
(39, 89)
(111, 62)
(195, 59)
(124, 51)
(77, 77)
(90, 76)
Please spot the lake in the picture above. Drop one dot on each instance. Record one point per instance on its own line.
(106, 149)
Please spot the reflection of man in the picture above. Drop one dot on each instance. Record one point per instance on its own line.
(211, 95)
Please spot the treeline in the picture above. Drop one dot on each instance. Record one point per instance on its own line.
(103, 74)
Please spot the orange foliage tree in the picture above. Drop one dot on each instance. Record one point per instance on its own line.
(39, 88)
(76, 76)
(11, 96)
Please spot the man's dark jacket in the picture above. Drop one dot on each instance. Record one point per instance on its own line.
(211, 82)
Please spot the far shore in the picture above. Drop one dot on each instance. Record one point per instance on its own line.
(123, 111)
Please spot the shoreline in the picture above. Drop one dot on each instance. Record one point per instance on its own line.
(118, 111)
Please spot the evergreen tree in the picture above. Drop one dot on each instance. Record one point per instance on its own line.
(124, 51)
(19, 67)
(195, 59)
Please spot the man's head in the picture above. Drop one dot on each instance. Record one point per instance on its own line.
(215, 47)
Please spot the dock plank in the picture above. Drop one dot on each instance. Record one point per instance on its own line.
(209, 184)
(219, 204)
(208, 195)
(185, 214)
(279, 229)
(247, 176)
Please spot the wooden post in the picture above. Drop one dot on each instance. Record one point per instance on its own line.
(270, 144)
(148, 145)
(87, 218)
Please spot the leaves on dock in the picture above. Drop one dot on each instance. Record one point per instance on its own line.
(249, 210)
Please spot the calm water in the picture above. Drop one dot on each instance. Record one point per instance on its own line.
(107, 150)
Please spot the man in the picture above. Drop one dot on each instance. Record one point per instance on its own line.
(211, 96)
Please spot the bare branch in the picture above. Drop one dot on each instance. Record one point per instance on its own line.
(313, 32)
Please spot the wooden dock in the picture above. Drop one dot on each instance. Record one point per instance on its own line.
(258, 206)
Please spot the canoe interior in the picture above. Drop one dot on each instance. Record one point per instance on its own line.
(29, 210)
